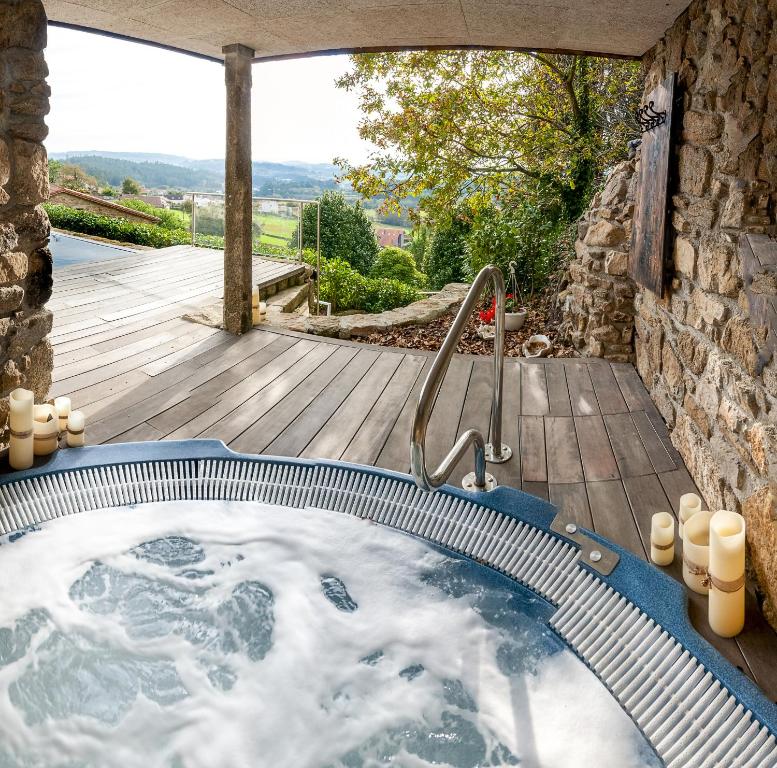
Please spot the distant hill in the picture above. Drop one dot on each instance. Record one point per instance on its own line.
(160, 171)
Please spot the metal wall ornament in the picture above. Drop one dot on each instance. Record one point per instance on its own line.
(648, 118)
(650, 231)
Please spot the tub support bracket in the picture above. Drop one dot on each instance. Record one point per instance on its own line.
(592, 553)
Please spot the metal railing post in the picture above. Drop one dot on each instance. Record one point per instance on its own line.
(194, 219)
(495, 451)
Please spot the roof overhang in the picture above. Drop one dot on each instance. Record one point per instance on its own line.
(290, 28)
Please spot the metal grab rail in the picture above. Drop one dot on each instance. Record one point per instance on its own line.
(495, 451)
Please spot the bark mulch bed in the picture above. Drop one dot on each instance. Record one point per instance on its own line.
(540, 319)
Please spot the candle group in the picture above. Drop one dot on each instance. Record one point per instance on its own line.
(35, 429)
(696, 552)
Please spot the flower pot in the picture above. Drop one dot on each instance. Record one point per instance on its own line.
(514, 320)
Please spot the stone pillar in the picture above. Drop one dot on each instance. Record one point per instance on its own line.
(238, 188)
(25, 261)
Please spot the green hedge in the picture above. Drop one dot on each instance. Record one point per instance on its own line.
(88, 223)
(346, 289)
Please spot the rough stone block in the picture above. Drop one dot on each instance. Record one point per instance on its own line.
(760, 513)
(23, 25)
(684, 257)
(616, 263)
(13, 267)
(695, 169)
(709, 308)
(738, 340)
(30, 182)
(11, 297)
(702, 127)
(605, 234)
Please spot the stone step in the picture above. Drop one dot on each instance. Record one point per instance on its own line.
(288, 299)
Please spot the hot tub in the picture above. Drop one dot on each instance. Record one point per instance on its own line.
(218, 609)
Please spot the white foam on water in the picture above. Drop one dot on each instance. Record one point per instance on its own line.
(227, 651)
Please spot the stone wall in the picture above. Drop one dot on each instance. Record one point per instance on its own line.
(598, 298)
(701, 356)
(698, 351)
(25, 261)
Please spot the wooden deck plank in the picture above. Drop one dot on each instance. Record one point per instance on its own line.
(368, 442)
(595, 450)
(572, 502)
(534, 391)
(558, 391)
(262, 432)
(581, 389)
(608, 393)
(296, 437)
(612, 517)
(534, 468)
(655, 448)
(563, 454)
(627, 446)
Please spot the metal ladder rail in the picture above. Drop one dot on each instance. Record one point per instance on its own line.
(495, 451)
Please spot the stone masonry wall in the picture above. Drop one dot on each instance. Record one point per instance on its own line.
(703, 359)
(698, 352)
(598, 300)
(25, 261)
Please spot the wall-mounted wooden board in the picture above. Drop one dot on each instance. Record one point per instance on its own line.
(649, 234)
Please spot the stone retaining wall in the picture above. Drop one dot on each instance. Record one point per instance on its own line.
(705, 362)
(25, 261)
(598, 300)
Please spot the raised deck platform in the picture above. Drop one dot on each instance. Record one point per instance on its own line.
(584, 432)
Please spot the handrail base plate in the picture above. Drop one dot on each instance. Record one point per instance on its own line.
(468, 483)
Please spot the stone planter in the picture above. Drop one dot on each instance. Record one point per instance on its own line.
(514, 320)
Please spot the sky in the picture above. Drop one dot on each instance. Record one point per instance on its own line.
(113, 95)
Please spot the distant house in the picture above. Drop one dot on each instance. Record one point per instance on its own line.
(83, 201)
(390, 237)
(155, 200)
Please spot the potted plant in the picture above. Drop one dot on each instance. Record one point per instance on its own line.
(515, 312)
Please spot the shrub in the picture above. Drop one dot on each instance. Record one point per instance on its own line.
(341, 284)
(346, 289)
(397, 264)
(446, 259)
(89, 223)
(381, 294)
(169, 219)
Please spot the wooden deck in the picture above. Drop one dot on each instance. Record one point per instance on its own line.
(585, 433)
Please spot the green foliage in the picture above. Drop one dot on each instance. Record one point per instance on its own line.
(124, 231)
(108, 192)
(419, 245)
(169, 219)
(381, 294)
(452, 124)
(130, 187)
(397, 264)
(526, 233)
(346, 289)
(346, 232)
(447, 259)
(71, 176)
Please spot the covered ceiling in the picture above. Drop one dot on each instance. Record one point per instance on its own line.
(278, 28)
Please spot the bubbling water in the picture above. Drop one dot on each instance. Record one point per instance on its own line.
(180, 635)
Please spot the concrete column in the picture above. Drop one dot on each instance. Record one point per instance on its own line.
(238, 189)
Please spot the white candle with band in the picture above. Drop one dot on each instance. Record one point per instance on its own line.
(727, 573)
(20, 453)
(662, 538)
(63, 406)
(690, 504)
(696, 552)
(75, 429)
(45, 430)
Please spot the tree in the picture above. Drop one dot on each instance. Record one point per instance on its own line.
(397, 264)
(71, 176)
(446, 260)
(130, 187)
(346, 231)
(482, 125)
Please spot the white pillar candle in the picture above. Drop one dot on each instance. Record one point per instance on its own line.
(20, 454)
(63, 405)
(255, 298)
(696, 552)
(727, 573)
(690, 504)
(45, 429)
(662, 538)
(262, 307)
(75, 429)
